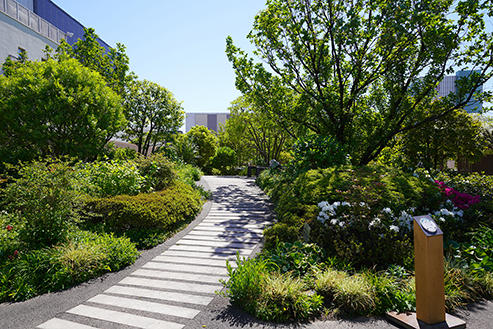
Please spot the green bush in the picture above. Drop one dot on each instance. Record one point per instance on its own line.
(361, 215)
(46, 196)
(224, 160)
(157, 170)
(164, 210)
(86, 256)
(10, 226)
(110, 178)
(297, 258)
(188, 174)
(269, 296)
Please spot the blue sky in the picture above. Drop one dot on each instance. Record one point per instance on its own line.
(178, 44)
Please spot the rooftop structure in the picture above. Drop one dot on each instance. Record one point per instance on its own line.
(210, 120)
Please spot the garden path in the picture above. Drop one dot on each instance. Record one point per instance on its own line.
(174, 287)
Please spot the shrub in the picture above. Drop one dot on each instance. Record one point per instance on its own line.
(158, 172)
(245, 282)
(110, 178)
(297, 258)
(351, 201)
(188, 174)
(224, 160)
(269, 296)
(164, 210)
(284, 298)
(86, 256)
(45, 195)
(204, 144)
(477, 254)
(10, 226)
(393, 293)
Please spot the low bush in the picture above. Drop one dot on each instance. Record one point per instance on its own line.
(269, 296)
(163, 210)
(361, 215)
(158, 172)
(10, 226)
(110, 178)
(188, 174)
(224, 160)
(50, 269)
(351, 294)
(46, 197)
(297, 258)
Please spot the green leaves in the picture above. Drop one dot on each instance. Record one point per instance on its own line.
(56, 108)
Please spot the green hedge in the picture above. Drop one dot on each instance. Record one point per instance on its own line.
(164, 210)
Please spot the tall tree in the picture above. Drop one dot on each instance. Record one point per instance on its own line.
(153, 115)
(56, 108)
(366, 71)
(257, 131)
(112, 64)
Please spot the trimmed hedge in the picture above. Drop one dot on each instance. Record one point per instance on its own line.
(165, 210)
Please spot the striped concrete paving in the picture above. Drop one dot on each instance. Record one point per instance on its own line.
(171, 289)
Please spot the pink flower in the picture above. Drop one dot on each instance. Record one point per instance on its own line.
(9, 227)
(16, 253)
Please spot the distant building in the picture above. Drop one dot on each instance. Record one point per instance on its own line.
(31, 25)
(209, 120)
(448, 86)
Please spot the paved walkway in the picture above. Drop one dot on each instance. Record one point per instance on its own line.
(175, 286)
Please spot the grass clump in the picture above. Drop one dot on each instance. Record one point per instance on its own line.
(350, 294)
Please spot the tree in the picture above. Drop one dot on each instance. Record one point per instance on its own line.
(204, 143)
(455, 136)
(153, 115)
(256, 130)
(366, 71)
(56, 108)
(113, 64)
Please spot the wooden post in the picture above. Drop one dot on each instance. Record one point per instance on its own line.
(428, 267)
(430, 290)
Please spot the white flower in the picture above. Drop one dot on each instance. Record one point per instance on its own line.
(446, 212)
(374, 222)
(347, 204)
(460, 213)
(333, 221)
(323, 204)
(322, 219)
(387, 210)
(449, 202)
(394, 228)
(441, 219)
(341, 224)
(362, 204)
(336, 204)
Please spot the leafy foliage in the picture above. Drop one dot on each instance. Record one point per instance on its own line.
(153, 115)
(46, 196)
(163, 210)
(224, 160)
(204, 143)
(364, 72)
(46, 270)
(297, 258)
(314, 152)
(55, 108)
(158, 172)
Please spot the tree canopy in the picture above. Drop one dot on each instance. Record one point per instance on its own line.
(365, 71)
(153, 115)
(55, 108)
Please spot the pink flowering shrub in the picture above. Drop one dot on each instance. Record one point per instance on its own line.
(460, 200)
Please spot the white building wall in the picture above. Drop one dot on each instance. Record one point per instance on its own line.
(14, 35)
(204, 119)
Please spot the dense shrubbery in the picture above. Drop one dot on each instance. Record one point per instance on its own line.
(360, 259)
(361, 215)
(224, 160)
(161, 210)
(42, 245)
(84, 256)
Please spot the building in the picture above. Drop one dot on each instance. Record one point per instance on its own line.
(31, 25)
(448, 86)
(210, 120)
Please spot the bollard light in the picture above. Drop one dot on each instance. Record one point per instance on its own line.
(430, 290)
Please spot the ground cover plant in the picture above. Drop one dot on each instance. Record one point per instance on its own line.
(63, 221)
(345, 232)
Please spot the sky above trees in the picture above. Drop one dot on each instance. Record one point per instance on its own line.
(177, 44)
